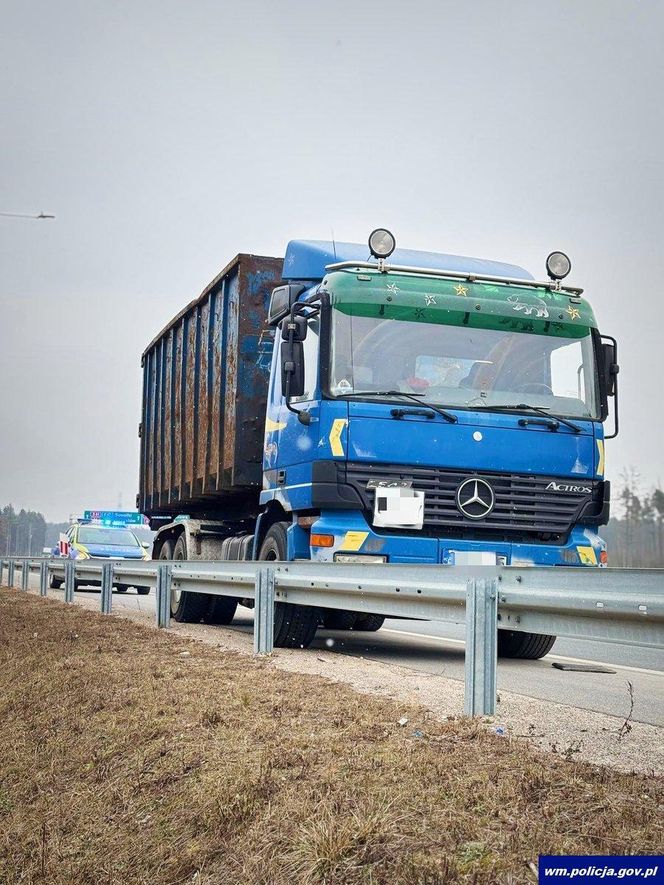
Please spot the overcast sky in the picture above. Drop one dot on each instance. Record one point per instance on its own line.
(168, 136)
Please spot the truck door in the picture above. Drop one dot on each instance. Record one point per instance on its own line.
(290, 445)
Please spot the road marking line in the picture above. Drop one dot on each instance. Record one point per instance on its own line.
(550, 656)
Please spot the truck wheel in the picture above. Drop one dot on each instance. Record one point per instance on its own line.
(121, 588)
(55, 583)
(294, 625)
(221, 610)
(143, 591)
(166, 551)
(370, 623)
(530, 646)
(187, 607)
(339, 619)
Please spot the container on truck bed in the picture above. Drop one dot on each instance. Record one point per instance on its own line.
(205, 379)
(436, 409)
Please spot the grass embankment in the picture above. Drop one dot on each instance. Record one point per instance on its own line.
(133, 756)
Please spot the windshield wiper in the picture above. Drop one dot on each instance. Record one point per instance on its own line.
(416, 397)
(525, 407)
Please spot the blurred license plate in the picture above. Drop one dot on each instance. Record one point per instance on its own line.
(476, 557)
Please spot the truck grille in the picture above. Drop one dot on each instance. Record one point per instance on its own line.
(524, 507)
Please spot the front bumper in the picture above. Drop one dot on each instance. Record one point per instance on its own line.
(352, 534)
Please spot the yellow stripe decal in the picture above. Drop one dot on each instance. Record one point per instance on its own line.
(600, 462)
(271, 425)
(335, 436)
(587, 555)
(353, 541)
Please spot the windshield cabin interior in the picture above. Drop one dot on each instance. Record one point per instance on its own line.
(457, 365)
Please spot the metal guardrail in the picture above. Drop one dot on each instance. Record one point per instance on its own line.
(608, 605)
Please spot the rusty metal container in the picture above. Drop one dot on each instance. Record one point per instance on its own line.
(205, 379)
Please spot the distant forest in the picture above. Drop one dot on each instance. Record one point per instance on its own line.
(635, 535)
(26, 533)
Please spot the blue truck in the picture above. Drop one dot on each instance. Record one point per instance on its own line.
(372, 404)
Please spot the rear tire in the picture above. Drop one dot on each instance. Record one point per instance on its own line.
(294, 625)
(55, 583)
(528, 646)
(187, 607)
(369, 623)
(143, 591)
(221, 610)
(122, 588)
(339, 619)
(166, 550)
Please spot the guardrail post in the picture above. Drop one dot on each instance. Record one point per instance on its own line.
(69, 581)
(2, 568)
(106, 587)
(43, 578)
(164, 579)
(10, 573)
(481, 647)
(25, 575)
(264, 612)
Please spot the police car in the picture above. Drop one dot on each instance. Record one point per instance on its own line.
(87, 540)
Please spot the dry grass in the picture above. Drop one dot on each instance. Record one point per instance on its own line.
(130, 756)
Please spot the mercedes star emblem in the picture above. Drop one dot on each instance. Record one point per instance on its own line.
(475, 498)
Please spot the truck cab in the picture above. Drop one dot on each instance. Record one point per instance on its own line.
(434, 409)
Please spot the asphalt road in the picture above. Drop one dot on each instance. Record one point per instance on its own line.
(438, 647)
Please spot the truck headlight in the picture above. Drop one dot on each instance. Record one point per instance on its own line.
(558, 265)
(381, 243)
(358, 557)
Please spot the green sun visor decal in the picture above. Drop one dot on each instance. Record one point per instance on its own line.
(478, 305)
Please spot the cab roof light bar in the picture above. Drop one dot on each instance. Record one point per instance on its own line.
(552, 285)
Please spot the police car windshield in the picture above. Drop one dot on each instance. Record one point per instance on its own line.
(91, 534)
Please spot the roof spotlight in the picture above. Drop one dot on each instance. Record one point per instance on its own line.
(558, 265)
(381, 243)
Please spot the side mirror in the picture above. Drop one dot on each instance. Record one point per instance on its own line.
(608, 372)
(281, 301)
(145, 545)
(292, 368)
(611, 367)
(297, 326)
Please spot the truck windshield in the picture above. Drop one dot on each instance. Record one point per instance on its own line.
(109, 537)
(464, 367)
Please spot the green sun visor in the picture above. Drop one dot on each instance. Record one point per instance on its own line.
(478, 305)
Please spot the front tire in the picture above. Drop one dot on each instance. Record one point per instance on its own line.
(143, 591)
(527, 646)
(339, 619)
(369, 623)
(55, 583)
(294, 625)
(187, 608)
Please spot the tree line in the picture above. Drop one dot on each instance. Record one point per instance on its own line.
(26, 533)
(635, 535)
